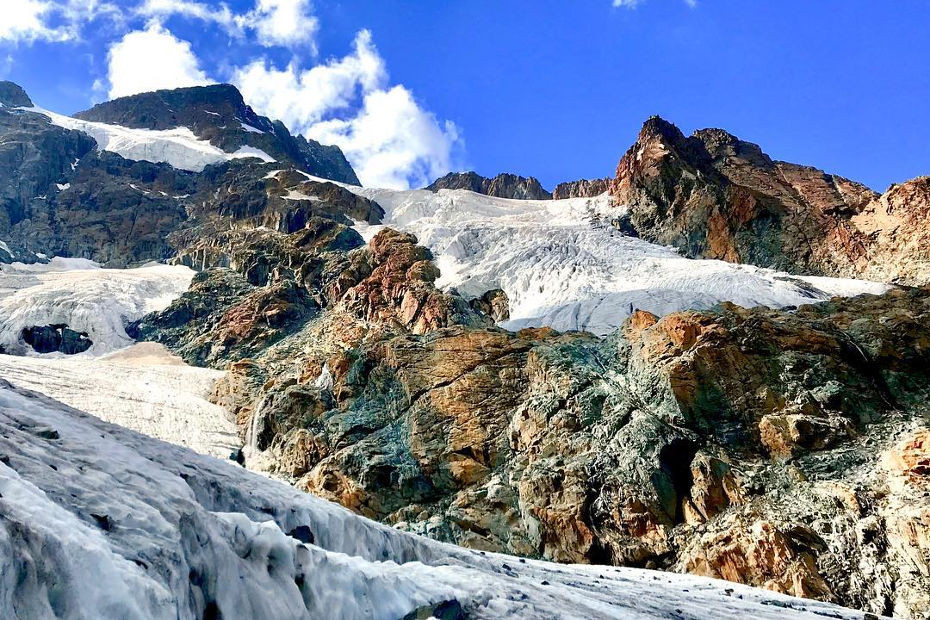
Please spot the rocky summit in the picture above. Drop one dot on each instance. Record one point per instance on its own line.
(358, 352)
(715, 196)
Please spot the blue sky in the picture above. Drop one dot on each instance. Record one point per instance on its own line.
(552, 88)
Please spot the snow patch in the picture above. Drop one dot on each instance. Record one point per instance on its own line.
(178, 147)
(250, 128)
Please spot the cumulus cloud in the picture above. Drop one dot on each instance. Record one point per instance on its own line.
(151, 59)
(25, 21)
(390, 140)
(301, 98)
(220, 15)
(288, 23)
(284, 22)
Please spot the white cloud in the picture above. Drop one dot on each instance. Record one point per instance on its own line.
(146, 60)
(25, 21)
(219, 15)
(390, 141)
(288, 23)
(301, 98)
(284, 22)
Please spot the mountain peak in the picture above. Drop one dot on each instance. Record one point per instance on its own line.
(218, 114)
(12, 95)
(215, 104)
(657, 127)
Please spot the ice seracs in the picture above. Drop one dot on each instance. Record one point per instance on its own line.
(562, 264)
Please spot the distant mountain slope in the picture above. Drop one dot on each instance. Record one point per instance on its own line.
(501, 186)
(114, 193)
(583, 188)
(219, 115)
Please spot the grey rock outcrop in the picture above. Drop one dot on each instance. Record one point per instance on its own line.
(501, 186)
(584, 188)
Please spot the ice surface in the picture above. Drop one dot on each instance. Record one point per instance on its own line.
(562, 264)
(142, 387)
(77, 293)
(178, 147)
(97, 521)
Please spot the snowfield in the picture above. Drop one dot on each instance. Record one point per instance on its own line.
(97, 521)
(178, 147)
(86, 298)
(562, 264)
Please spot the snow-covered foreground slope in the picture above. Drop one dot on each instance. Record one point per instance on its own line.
(178, 147)
(97, 521)
(79, 294)
(142, 387)
(562, 264)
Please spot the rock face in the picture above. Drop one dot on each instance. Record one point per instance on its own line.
(584, 188)
(501, 186)
(13, 96)
(715, 196)
(493, 303)
(743, 444)
(218, 114)
(56, 339)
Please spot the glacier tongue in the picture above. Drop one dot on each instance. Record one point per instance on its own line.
(77, 293)
(97, 521)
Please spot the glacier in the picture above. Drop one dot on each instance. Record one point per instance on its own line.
(142, 387)
(563, 265)
(97, 521)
